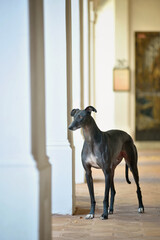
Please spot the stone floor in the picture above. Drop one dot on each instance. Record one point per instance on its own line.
(126, 223)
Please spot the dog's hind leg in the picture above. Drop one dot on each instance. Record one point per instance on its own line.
(134, 171)
(131, 160)
(113, 192)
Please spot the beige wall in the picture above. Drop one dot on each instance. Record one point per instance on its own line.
(122, 99)
(111, 44)
(116, 22)
(104, 62)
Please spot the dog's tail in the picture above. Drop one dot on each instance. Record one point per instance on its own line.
(127, 179)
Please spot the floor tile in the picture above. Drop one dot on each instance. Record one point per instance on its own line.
(126, 223)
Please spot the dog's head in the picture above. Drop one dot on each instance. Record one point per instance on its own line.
(80, 117)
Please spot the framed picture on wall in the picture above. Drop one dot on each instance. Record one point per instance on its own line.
(147, 85)
(121, 79)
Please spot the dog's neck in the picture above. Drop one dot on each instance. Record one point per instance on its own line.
(91, 131)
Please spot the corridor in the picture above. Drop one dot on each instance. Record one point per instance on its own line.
(126, 223)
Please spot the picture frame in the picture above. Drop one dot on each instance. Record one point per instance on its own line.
(121, 79)
(147, 86)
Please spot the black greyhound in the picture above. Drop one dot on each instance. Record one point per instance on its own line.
(105, 150)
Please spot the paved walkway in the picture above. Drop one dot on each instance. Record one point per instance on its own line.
(126, 223)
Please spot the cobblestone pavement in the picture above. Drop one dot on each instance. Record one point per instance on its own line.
(126, 223)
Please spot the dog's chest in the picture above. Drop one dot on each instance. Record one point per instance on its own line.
(92, 160)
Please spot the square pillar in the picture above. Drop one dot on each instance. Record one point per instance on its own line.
(24, 168)
(58, 146)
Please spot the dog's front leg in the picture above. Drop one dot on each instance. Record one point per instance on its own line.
(91, 192)
(106, 195)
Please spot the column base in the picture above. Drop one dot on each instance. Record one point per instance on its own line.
(22, 203)
(60, 155)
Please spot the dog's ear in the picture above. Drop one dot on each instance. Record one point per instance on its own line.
(73, 112)
(89, 109)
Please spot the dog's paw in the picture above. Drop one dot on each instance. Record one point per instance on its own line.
(104, 216)
(110, 211)
(89, 216)
(141, 210)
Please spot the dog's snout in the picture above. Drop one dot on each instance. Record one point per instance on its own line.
(70, 127)
(73, 126)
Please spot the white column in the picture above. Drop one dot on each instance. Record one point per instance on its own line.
(58, 147)
(24, 198)
(104, 63)
(122, 99)
(92, 20)
(37, 74)
(76, 87)
(80, 73)
(86, 89)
